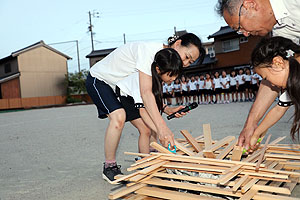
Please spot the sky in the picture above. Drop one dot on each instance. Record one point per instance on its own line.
(26, 22)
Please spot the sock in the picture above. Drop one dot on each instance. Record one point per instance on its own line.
(110, 163)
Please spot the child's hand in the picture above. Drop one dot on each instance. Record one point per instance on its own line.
(170, 110)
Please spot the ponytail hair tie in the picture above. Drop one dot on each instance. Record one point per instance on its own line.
(173, 39)
(289, 53)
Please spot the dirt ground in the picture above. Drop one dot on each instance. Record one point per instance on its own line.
(57, 153)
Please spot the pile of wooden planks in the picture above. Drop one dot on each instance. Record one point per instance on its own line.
(219, 170)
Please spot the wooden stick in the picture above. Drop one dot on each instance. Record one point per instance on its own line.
(226, 151)
(124, 191)
(184, 149)
(187, 178)
(264, 196)
(207, 136)
(208, 154)
(267, 188)
(146, 159)
(160, 148)
(170, 194)
(288, 157)
(237, 153)
(246, 187)
(239, 183)
(153, 167)
(249, 195)
(191, 186)
(191, 140)
(221, 143)
(261, 157)
(194, 159)
(136, 154)
(229, 176)
(143, 165)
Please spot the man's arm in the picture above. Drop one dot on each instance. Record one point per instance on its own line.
(265, 97)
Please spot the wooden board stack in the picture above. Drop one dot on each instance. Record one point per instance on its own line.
(269, 173)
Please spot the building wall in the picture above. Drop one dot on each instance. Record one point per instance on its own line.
(10, 89)
(235, 58)
(95, 59)
(42, 73)
(13, 65)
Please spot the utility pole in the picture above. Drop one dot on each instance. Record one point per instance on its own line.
(77, 46)
(78, 55)
(124, 38)
(94, 14)
(174, 30)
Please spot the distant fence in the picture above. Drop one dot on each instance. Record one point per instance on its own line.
(31, 102)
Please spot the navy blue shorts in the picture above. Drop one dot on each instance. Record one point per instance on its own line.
(103, 96)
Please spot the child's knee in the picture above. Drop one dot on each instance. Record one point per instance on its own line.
(118, 119)
(145, 132)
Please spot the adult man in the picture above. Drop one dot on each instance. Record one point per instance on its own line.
(259, 17)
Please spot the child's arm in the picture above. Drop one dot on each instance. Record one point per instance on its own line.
(273, 116)
(147, 119)
(165, 135)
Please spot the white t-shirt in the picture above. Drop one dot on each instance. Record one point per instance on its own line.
(176, 87)
(288, 19)
(193, 85)
(170, 88)
(240, 79)
(247, 77)
(184, 86)
(125, 60)
(131, 86)
(232, 80)
(201, 84)
(164, 86)
(208, 84)
(225, 81)
(217, 83)
(254, 79)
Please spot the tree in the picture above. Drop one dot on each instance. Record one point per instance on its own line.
(76, 85)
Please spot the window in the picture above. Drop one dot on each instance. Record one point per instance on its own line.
(230, 45)
(7, 68)
(210, 50)
(243, 39)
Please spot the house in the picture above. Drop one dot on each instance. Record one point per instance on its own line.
(36, 71)
(229, 51)
(207, 64)
(98, 55)
(232, 50)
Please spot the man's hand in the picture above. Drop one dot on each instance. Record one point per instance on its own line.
(245, 137)
(253, 142)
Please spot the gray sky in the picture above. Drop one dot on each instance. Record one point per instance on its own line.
(26, 22)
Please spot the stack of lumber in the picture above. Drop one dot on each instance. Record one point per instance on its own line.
(219, 169)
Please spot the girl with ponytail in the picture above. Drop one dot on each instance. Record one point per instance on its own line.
(166, 67)
(277, 60)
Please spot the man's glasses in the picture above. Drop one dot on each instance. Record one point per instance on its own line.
(238, 30)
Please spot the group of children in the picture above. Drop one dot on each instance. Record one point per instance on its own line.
(241, 85)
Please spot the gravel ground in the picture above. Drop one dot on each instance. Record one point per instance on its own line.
(57, 153)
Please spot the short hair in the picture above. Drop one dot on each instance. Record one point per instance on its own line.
(229, 5)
